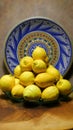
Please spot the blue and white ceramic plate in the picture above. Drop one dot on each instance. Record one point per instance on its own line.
(39, 32)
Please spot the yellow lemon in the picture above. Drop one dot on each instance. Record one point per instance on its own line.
(64, 86)
(46, 60)
(17, 91)
(44, 80)
(26, 63)
(39, 53)
(51, 70)
(17, 71)
(17, 81)
(7, 82)
(50, 93)
(32, 93)
(61, 76)
(39, 66)
(26, 78)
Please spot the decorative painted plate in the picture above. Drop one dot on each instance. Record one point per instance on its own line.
(39, 32)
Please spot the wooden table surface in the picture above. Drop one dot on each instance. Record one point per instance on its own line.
(17, 115)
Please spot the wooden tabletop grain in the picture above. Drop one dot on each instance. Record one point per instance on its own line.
(18, 115)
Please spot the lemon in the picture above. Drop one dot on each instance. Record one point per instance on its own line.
(7, 82)
(50, 93)
(61, 76)
(17, 71)
(51, 70)
(17, 91)
(44, 80)
(32, 93)
(39, 53)
(26, 78)
(39, 66)
(26, 63)
(46, 60)
(17, 81)
(64, 86)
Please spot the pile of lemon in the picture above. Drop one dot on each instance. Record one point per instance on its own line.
(34, 79)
